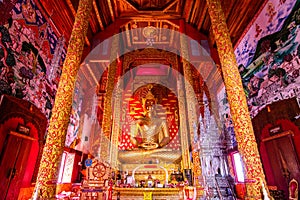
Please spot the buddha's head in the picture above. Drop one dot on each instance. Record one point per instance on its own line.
(151, 111)
(148, 102)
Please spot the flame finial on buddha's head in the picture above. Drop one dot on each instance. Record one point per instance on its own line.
(149, 100)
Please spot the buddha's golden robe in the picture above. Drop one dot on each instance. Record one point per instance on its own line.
(150, 137)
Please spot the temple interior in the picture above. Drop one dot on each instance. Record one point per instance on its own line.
(149, 99)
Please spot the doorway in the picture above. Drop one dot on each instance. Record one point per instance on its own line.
(13, 160)
(283, 159)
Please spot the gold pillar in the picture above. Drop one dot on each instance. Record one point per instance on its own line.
(188, 84)
(197, 166)
(107, 113)
(116, 130)
(55, 142)
(237, 100)
(183, 125)
(197, 172)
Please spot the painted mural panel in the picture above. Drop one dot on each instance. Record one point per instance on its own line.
(31, 58)
(268, 59)
(31, 55)
(268, 55)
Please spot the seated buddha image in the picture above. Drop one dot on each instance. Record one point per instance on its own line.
(150, 135)
(154, 131)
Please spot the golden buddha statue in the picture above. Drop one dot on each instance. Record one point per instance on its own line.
(154, 131)
(149, 137)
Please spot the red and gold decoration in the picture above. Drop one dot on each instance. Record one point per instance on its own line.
(47, 176)
(187, 71)
(116, 129)
(197, 168)
(135, 110)
(237, 100)
(112, 70)
(188, 86)
(183, 128)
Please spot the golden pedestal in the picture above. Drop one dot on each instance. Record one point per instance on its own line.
(154, 193)
(147, 195)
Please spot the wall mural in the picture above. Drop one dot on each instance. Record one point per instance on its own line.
(31, 58)
(269, 55)
(268, 59)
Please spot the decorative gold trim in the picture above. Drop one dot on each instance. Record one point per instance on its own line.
(116, 129)
(243, 129)
(188, 86)
(140, 191)
(21, 135)
(278, 136)
(74, 14)
(151, 54)
(47, 176)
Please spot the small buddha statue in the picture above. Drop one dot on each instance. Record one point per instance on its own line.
(149, 181)
(174, 181)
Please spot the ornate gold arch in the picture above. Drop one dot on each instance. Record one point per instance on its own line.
(150, 55)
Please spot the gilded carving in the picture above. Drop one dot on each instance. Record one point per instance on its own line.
(154, 55)
(116, 130)
(107, 113)
(237, 100)
(197, 167)
(190, 93)
(47, 176)
(183, 127)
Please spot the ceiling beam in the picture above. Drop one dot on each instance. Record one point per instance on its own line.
(98, 15)
(194, 13)
(111, 10)
(170, 5)
(188, 10)
(202, 16)
(131, 5)
(48, 18)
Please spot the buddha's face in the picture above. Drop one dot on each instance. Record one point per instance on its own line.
(148, 105)
(151, 111)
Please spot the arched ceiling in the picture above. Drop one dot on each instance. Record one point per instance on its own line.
(238, 13)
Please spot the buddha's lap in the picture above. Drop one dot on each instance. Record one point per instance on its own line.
(161, 154)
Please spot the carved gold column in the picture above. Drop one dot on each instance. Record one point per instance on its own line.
(184, 141)
(189, 91)
(188, 83)
(238, 106)
(55, 142)
(107, 113)
(116, 130)
(197, 172)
